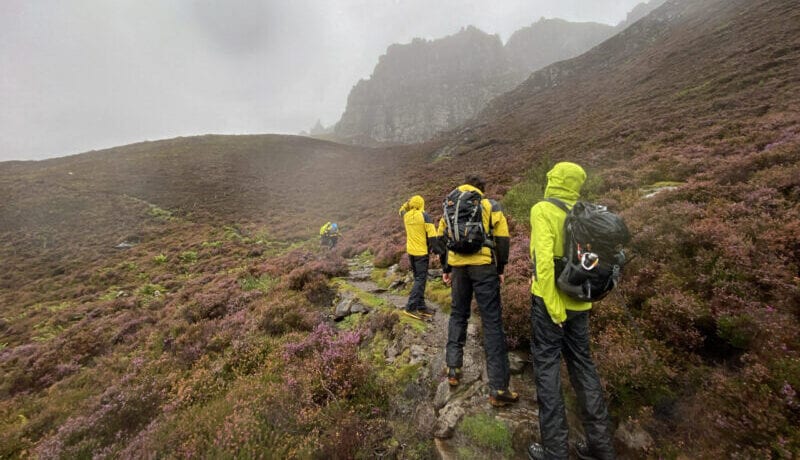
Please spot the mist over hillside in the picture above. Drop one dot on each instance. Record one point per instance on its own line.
(427, 86)
(170, 298)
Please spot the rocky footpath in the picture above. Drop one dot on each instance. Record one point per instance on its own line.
(439, 409)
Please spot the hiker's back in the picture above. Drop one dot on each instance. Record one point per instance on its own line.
(493, 226)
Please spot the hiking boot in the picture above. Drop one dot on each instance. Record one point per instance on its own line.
(500, 398)
(582, 450)
(413, 314)
(535, 451)
(454, 376)
(425, 311)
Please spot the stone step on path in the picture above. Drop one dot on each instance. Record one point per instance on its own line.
(447, 406)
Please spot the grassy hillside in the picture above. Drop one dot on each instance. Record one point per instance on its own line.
(205, 336)
(100, 343)
(701, 96)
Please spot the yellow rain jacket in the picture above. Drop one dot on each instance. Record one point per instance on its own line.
(564, 182)
(328, 230)
(494, 221)
(420, 231)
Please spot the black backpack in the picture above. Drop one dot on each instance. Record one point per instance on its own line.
(593, 255)
(463, 215)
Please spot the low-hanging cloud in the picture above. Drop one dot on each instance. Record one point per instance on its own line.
(90, 74)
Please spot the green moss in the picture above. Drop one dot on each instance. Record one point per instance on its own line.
(129, 266)
(188, 257)
(487, 432)
(439, 293)
(364, 297)
(264, 283)
(46, 331)
(350, 322)
(465, 453)
(211, 244)
(158, 213)
(112, 293)
(160, 259)
(415, 324)
(151, 290)
(378, 276)
(518, 201)
(738, 331)
(59, 307)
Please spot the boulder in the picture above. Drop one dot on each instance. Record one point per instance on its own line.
(631, 435)
(344, 306)
(447, 421)
(517, 361)
(442, 395)
(417, 354)
(424, 418)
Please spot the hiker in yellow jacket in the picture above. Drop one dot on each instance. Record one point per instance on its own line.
(561, 326)
(421, 240)
(329, 234)
(481, 274)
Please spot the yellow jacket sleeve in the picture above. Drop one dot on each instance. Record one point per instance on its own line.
(543, 238)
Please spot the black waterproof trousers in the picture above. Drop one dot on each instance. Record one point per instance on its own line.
(482, 280)
(419, 267)
(549, 342)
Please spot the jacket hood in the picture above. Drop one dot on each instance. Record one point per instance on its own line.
(470, 188)
(416, 202)
(565, 181)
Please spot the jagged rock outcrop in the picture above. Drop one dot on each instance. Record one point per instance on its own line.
(550, 40)
(424, 87)
(428, 86)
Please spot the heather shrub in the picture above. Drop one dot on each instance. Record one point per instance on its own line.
(318, 292)
(351, 436)
(404, 265)
(286, 314)
(516, 297)
(119, 412)
(312, 271)
(738, 330)
(331, 368)
(633, 372)
(388, 254)
(672, 315)
(380, 321)
(756, 410)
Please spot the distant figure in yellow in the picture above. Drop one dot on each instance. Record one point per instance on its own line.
(329, 235)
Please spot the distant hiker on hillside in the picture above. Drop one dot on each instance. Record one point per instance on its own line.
(329, 234)
(476, 234)
(561, 326)
(421, 240)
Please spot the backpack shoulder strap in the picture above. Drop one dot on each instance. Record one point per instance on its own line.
(563, 206)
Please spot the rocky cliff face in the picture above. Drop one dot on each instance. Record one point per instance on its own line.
(550, 40)
(424, 87)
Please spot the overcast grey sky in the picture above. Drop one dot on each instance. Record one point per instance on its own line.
(77, 75)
